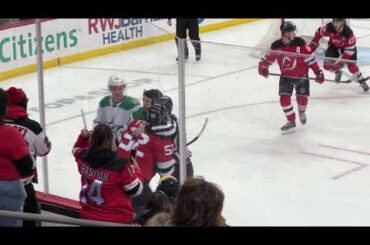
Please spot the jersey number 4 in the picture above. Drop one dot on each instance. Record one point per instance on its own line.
(91, 192)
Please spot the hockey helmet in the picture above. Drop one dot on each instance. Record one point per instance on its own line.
(168, 103)
(116, 80)
(158, 112)
(287, 26)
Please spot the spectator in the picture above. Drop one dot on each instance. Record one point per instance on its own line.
(198, 203)
(38, 144)
(159, 219)
(108, 181)
(161, 200)
(15, 163)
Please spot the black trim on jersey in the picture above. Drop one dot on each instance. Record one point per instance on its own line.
(297, 42)
(134, 190)
(103, 159)
(24, 166)
(276, 44)
(166, 170)
(347, 31)
(160, 132)
(26, 122)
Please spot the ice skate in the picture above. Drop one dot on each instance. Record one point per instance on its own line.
(363, 84)
(288, 127)
(302, 117)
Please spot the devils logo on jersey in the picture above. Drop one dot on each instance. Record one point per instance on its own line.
(289, 63)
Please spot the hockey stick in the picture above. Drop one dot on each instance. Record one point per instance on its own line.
(312, 78)
(83, 118)
(199, 134)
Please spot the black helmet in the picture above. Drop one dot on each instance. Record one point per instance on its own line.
(287, 26)
(168, 102)
(158, 112)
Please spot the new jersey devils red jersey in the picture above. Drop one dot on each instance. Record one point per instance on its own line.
(108, 183)
(130, 138)
(156, 154)
(288, 59)
(152, 153)
(12, 148)
(343, 40)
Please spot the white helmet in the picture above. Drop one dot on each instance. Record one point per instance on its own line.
(116, 80)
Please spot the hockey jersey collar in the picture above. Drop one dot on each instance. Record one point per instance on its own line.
(98, 158)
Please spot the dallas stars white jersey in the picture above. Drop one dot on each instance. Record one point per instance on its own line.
(116, 115)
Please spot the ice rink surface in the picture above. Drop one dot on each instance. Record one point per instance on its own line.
(317, 176)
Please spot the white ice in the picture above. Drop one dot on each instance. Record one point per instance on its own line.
(317, 176)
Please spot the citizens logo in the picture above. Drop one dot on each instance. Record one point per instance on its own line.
(13, 48)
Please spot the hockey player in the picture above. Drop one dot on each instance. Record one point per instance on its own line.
(38, 144)
(165, 128)
(117, 109)
(294, 72)
(170, 129)
(342, 44)
(108, 181)
(15, 163)
(148, 97)
(154, 154)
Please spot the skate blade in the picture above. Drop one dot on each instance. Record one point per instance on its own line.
(365, 90)
(289, 131)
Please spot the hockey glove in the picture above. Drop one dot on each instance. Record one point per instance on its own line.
(263, 69)
(312, 46)
(338, 65)
(319, 77)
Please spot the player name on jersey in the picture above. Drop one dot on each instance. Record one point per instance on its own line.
(96, 174)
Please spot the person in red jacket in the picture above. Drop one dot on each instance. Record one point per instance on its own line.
(37, 142)
(108, 181)
(15, 163)
(294, 72)
(342, 44)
